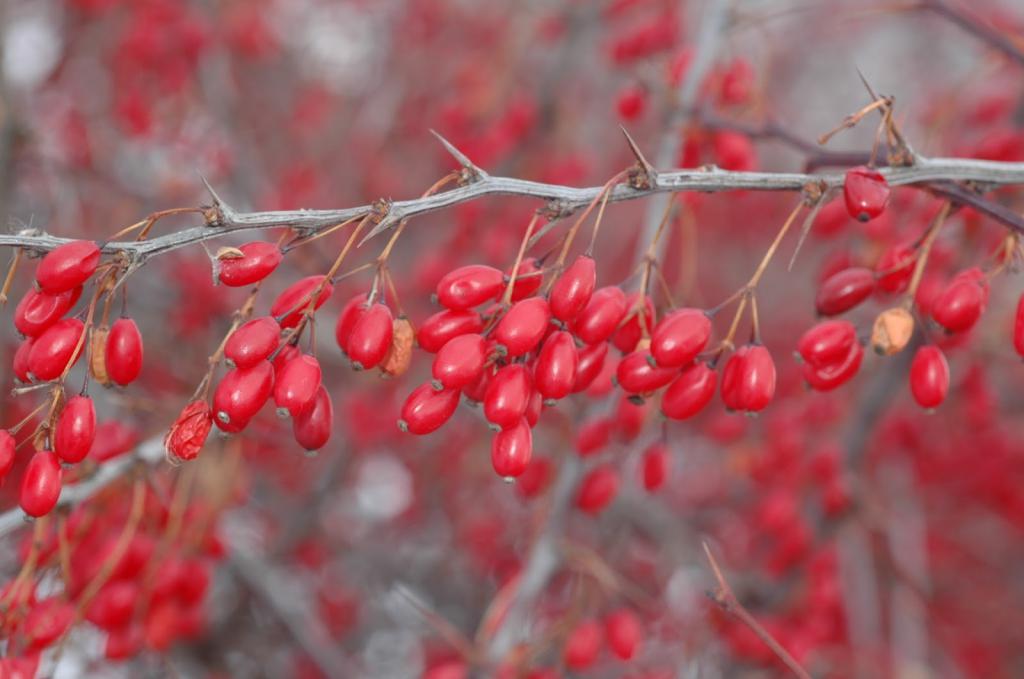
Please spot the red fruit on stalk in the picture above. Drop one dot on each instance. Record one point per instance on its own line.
(258, 260)
(590, 365)
(511, 449)
(460, 362)
(679, 337)
(187, 435)
(8, 447)
(76, 429)
(47, 622)
(654, 468)
(534, 408)
(1018, 327)
(55, 349)
(426, 409)
(67, 266)
(240, 395)
(572, 291)
(624, 633)
(470, 286)
(508, 395)
(866, 193)
(528, 279)
(929, 377)
(630, 332)
(959, 306)
(637, 374)
(38, 310)
(583, 645)
(690, 392)
(284, 356)
(828, 377)
(597, 489)
(895, 268)
(554, 374)
(253, 342)
(123, 352)
(523, 327)
(290, 304)
(844, 290)
(296, 384)
(40, 484)
(827, 342)
(313, 424)
(20, 364)
(440, 328)
(371, 337)
(748, 381)
(350, 314)
(602, 315)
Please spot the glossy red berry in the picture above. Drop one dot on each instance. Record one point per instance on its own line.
(959, 306)
(8, 447)
(831, 376)
(470, 286)
(1018, 327)
(597, 489)
(624, 633)
(690, 392)
(440, 328)
(253, 342)
(460, 362)
(67, 266)
(654, 467)
(748, 381)
(40, 484)
(75, 430)
(258, 261)
(296, 384)
(866, 193)
(508, 395)
(240, 395)
(528, 279)
(638, 374)
(679, 337)
(895, 268)
(572, 291)
(20, 364)
(352, 311)
(630, 332)
(523, 327)
(371, 337)
(554, 374)
(929, 377)
(511, 449)
(426, 409)
(827, 342)
(38, 310)
(123, 352)
(290, 304)
(602, 315)
(583, 645)
(844, 290)
(312, 425)
(55, 349)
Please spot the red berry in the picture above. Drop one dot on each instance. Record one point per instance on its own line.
(67, 266)
(296, 384)
(572, 291)
(114, 604)
(629, 333)
(426, 409)
(524, 326)
(187, 435)
(1018, 327)
(844, 290)
(75, 430)
(437, 330)
(827, 342)
(508, 395)
(679, 337)
(828, 377)
(528, 279)
(460, 362)
(37, 310)
(284, 356)
(583, 645)
(535, 478)
(690, 392)
(748, 381)
(511, 449)
(40, 484)
(47, 621)
(637, 373)
(123, 352)
(240, 395)
(312, 426)
(290, 304)
(895, 268)
(631, 103)
(20, 364)
(959, 306)
(371, 337)
(654, 468)
(253, 342)
(929, 377)
(350, 314)
(601, 317)
(8, 446)
(55, 349)
(259, 261)
(597, 489)
(866, 192)
(624, 633)
(594, 436)
(470, 286)
(734, 151)
(592, 360)
(554, 374)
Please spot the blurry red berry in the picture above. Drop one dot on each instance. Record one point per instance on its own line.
(1018, 327)
(895, 268)
(583, 645)
(654, 467)
(844, 290)
(597, 489)
(631, 102)
(8, 447)
(624, 633)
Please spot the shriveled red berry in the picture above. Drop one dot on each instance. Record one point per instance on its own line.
(508, 395)
(511, 449)
(895, 268)
(602, 315)
(8, 446)
(637, 373)
(67, 266)
(426, 409)
(524, 326)
(866, 193)
(312, 426)
(296, 384)
(352, 311)
(252, 342)
(240, 395)
(844, 290)
(470, 286)
(460, 362)
(679, 337)
(40, 484)
(437, 330)
(592, 360)
(55, 349)
(290, 304)
(371, 337)
(690, 392)
(554, 374)
(748, 381)
(76, 429)
(258, 261)
(597, 489)
(572, 291)
(187, 435)
(624, 632)
(38, 310)
(929, 377)
(123, 352)
(959, 306)
(654, 468)
(583, 645)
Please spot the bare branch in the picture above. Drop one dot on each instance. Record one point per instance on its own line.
(975, 27)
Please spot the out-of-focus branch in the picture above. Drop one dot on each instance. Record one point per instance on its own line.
(975, 27)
